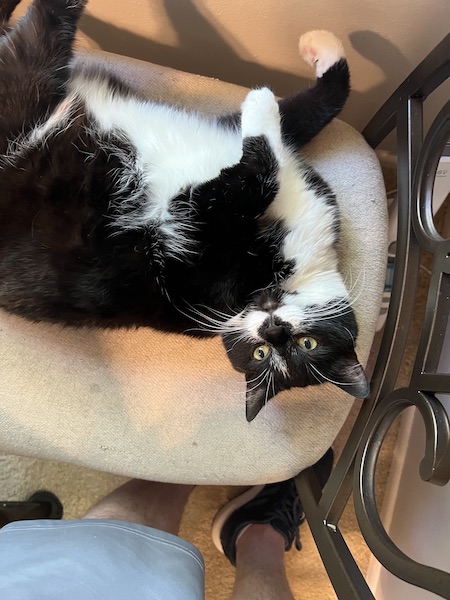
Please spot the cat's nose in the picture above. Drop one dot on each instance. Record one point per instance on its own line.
(277, 335)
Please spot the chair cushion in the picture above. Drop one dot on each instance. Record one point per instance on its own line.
(170, 408)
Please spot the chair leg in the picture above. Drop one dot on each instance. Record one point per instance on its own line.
(41, 505)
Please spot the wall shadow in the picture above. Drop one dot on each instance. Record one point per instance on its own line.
(202, 49)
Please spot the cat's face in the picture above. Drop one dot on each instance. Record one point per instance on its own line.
(278, 347)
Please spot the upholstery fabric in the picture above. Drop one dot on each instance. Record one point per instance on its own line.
(170, 408)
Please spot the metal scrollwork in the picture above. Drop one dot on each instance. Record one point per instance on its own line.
(419, 160)
(422, 208)
(435, 468)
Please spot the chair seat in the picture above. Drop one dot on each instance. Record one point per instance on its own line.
(171, 408)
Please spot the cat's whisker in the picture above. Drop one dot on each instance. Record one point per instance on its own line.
(226, 316)
(216, 329)
(273, 386)
(352, 299)
(269, 383)
(350, 334)
(333, 311)
(205, 322)
(266, 394)
(226, 324)
(267, 374)
(260, 376)
(209, 318)
(200, 330)
(328, 378)
(243, 337)
(356, 367)
(202, 326)
(311, 372)
(262, 289)
(340, 306)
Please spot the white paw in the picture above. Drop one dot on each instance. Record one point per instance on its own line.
(321, 49)
(261, 116)
(260, 112)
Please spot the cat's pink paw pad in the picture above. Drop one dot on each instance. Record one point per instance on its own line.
(321, 49)
(309, 55)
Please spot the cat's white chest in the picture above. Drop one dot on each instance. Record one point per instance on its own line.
(175, 149)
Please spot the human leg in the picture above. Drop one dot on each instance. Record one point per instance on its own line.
(260, 571)
(256, 528)
(158, 505)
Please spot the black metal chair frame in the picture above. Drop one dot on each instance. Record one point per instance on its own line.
(354, 472)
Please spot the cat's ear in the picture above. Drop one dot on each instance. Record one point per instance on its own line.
(348, 374)
(256, 397)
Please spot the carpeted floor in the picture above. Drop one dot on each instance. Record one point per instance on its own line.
(78, 488)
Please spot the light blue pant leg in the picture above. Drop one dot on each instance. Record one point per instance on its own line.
(96, 559)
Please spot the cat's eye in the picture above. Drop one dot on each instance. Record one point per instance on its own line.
(261, 352)
(307, 343)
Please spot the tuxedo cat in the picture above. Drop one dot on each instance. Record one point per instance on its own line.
(118, 211)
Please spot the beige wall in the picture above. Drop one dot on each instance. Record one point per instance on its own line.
(254, 42)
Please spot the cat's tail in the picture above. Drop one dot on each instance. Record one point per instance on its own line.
(305, 113)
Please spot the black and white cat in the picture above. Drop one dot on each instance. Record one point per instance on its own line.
(117, 211)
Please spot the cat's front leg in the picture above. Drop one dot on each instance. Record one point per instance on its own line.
(229, 205)
(241, 194)
(260, 116)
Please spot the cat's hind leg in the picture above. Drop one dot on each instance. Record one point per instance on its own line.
(34, 62)
(6, 10)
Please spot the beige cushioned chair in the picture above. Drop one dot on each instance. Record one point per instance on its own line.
(170, 408)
